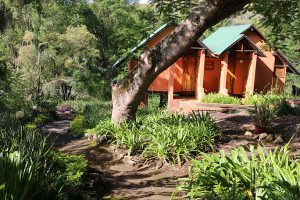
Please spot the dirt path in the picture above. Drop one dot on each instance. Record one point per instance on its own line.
(125, 180)
(119, 180)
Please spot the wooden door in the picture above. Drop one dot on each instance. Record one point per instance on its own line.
(230, 76)
(189, 73)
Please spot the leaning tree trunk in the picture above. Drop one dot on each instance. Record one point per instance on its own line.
(127, 93)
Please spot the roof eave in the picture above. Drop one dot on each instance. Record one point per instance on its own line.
(143, 42)
(290, 65)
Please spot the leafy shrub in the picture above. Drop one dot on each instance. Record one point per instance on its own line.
(263, 115)
(220, 98)
(93, 111)
(175, 137)
(69, 170)
(30, 170)
(168, 137)
(22, 164)
(283, 108)
(8, 121)
(269, 98)
(77, 125)
(260, 175)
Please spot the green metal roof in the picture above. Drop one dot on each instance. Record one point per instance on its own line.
(143, 42)
(225, 37)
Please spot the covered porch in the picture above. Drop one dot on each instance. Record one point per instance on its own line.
(230, 73)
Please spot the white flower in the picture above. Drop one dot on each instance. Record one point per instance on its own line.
(19, 114)
(34, 107)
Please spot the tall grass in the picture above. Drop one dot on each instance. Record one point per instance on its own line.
(30, 169)
(176, 137)
(22, 164)
(258, 174)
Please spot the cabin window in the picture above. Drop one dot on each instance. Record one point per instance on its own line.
(279, 71)
(209, 65)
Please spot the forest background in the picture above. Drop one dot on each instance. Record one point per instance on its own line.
(52, 50)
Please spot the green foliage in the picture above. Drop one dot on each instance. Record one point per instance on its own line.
(263, 115)
(70, 169)
(270, 97)
(171, 138)
(77, 125)
(176, 137)
(260, 175)
(93, 111)
(22, 164)
(282, 29)
(219, 98)
(30, 170)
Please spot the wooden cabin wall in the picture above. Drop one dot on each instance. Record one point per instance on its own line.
(255, 38)
(211, 80)
(264, 73)
(242, 64)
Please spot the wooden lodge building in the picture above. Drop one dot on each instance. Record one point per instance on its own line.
(234, 60)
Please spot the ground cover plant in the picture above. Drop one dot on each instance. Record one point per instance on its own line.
(29, 169)
(261, 174)
(219, 98)
(169, 137)
(88, 114)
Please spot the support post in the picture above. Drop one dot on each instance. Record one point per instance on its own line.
(171, 87)
(144, 102)
(200, 75)
(223, 78)
(251, 75)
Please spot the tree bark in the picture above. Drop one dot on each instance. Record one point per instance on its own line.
(127, 93)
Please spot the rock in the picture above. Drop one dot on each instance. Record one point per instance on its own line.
(278, 140)
(269, 138)
(101, 139)
(129, 160)
(67, 130)
(120, 156)
(262, 136)
(248, 134)
(94, 137)
(296, 139)
(255, 137)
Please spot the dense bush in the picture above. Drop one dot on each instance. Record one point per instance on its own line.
(219, 98)
(260, 175)
(165, 136)
(66, 174)
(271, 98)
(23, 164)
(77, 125)
(176, 137)
(30, 170)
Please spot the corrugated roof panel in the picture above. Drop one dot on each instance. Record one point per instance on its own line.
(225, 37)
(143, 42)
